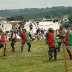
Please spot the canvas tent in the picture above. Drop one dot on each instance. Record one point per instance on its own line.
(5, 26)
(46, 25)
(27, 26)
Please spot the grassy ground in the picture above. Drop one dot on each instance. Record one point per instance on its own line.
(34, 61)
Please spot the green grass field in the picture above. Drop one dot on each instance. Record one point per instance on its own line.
(34, 61)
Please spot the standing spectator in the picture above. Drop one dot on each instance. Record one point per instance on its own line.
(38, 34)
(42, 36)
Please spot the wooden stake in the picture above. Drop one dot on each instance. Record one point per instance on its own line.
(65, 62)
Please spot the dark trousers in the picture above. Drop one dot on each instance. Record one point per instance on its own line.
(12, 45)
(4, 50)
(22, 46)
(4, 47)
(70, 55)
(59, 46)
(51, 51)
(29, 46)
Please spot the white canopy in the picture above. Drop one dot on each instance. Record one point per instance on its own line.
(46, 25)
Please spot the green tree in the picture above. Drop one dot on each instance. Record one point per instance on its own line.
(16, 18)
(10, 18)
(70, 16)
(47, 16)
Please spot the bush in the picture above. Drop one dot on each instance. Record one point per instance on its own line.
(67, 25)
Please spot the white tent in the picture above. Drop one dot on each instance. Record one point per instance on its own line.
(5, 26)
(27, 24)
(46, 25)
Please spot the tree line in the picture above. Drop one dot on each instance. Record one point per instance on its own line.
(34, 13)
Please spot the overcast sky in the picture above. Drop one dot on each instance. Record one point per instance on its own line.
(20, 4)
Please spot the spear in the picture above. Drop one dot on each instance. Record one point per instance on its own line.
(65, 62)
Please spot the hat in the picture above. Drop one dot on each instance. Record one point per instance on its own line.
(50, 29)
(24, 29)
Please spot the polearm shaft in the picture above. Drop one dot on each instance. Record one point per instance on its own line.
(65, 62)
